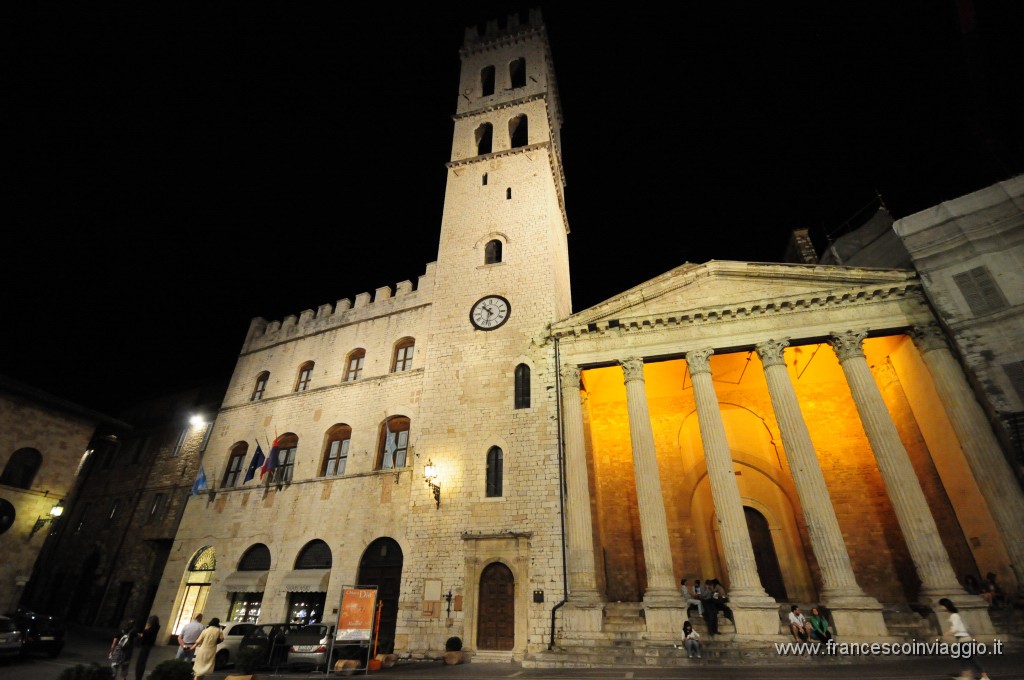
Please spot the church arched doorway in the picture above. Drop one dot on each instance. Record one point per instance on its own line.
(497, 616)
(764, 554)
(381, 566)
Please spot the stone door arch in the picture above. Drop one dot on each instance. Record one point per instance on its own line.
(381, 566)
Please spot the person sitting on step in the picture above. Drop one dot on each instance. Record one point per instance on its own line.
(691, 598)
(691, 641)
(798, 624)
(819, 625)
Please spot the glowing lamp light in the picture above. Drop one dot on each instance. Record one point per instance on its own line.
(197, 421)
(55, 512)
(430, 477)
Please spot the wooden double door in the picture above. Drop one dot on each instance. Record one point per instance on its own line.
(496, 619)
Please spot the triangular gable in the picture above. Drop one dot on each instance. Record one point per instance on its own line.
(719, 284)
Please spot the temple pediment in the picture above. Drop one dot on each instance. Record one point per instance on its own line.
(718, 288)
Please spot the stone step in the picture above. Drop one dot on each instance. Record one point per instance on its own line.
(492, 656)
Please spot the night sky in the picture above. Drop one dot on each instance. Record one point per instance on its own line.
(174, 172)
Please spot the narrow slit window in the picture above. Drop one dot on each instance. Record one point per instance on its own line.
(495, 464)
(484, 180)
(522, 386)
(508, 194)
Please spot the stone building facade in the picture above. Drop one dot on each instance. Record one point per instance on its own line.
(969, 252)
(504, 470)
(43, 442)
(105, 557)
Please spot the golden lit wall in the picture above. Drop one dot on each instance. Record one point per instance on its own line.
(873, 537)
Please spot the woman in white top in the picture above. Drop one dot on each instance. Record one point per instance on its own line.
(963, 638)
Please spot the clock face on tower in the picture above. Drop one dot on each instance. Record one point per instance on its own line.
(490, 312)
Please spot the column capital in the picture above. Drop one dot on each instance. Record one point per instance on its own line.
(699, 360)
(848, 345)
(571, 375)
(633, 368)
(928, 337)
(771, 352)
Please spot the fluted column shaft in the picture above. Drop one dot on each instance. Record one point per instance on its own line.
(822, 524)
(904, 490)
(744, 581)
(978, 442)
(582, 578)
(650, 500)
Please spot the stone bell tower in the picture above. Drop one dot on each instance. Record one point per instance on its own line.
(489, 418)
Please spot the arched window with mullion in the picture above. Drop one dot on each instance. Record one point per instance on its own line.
(336, 451)
(236, 462)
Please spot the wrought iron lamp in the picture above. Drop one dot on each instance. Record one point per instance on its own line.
(430, 477)
(55, 512)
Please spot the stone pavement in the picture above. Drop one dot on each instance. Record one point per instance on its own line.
(87, 645)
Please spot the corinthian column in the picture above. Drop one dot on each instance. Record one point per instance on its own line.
(982, 451)
(582, 579)
(853, 611)
(653, 524)
(754, 611)
(908, 502)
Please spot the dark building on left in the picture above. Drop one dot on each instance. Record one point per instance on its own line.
(101, 562)
(44, 442)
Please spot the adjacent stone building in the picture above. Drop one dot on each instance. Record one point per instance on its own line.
(105, 557)
(43, 441)
(508, 471)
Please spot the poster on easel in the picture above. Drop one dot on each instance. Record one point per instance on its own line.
(355, 620)
(356, 615)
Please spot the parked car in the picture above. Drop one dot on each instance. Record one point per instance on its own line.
(310, 645)
(271, 640)
(227, 651)
(40, 633)
(10, 637)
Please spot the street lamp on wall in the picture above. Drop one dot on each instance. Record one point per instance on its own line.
(430, 477)
(55, 512)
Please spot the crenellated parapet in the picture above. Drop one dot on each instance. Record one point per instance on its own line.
(493, 31)
(382, 302)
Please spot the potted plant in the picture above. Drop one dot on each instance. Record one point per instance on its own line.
(453, 650)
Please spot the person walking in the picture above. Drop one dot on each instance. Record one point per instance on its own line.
(147, 639)
(205, 649)
(187, 638)
(691, 640)
(121, 650)
(962, 638)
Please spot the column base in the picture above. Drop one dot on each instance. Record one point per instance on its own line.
(664, 616)
(585, 598)
(973, 610)
(856, 615)
(755, 615)
(582, 618)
